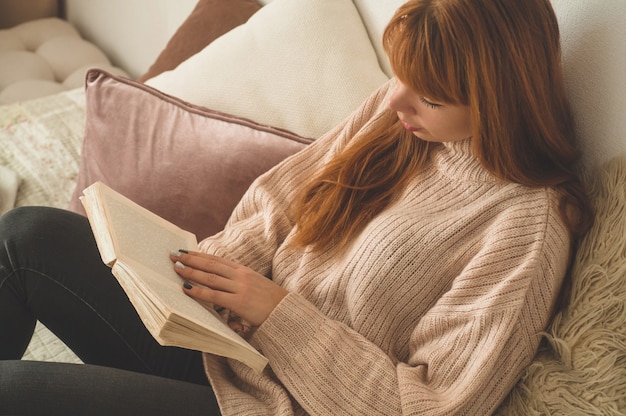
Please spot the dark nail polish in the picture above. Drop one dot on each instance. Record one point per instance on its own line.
(182, 250)
(187, 285)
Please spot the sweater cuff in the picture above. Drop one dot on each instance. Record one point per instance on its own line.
(288, 330)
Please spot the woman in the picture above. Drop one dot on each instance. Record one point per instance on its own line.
(412, 273)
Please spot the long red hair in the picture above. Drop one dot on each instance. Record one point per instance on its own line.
(502, 59)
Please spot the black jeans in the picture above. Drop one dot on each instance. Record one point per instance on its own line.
(51, 271)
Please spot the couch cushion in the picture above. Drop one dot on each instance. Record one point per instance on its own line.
(593, 36)
(186, 163)
(208, 20)
(376, 14)
(300, 65)
(43, 57)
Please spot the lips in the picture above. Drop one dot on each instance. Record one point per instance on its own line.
(408, 126)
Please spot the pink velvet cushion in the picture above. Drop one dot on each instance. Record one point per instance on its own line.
(188, 164)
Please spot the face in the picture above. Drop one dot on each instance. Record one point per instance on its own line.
(430, 121)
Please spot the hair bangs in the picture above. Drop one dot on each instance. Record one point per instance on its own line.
(423, 56)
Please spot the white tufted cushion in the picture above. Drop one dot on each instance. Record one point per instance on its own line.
(43, 57)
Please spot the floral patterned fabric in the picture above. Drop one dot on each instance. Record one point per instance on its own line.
(40, 140)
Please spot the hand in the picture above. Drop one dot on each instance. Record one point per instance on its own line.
(213, 279)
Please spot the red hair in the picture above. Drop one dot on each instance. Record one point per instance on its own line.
(501, 59)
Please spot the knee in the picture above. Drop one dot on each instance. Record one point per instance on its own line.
(21, 221)
(29, 225)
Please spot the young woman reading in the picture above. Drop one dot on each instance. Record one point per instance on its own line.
(405, 263)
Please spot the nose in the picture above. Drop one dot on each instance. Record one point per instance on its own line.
(400, 99)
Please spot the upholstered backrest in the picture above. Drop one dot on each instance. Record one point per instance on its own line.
(375, 15)
(594, 55)
(130, 32)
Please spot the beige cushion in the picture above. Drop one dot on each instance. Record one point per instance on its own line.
(186, 163)
(300, 65)
(208, 20)
(375, 15)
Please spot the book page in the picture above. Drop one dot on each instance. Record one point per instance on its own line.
(99, 226)
(146, 241)
(177, 303)
(123, 228)
(174, 318)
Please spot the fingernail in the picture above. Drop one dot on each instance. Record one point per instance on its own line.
(187, 285)
(182, 250)
(179, 265)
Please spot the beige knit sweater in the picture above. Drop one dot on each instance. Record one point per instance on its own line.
(436, 307)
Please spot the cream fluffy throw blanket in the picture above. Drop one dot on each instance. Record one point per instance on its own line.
(581, 368)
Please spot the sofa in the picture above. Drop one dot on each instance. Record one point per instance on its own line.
(43, 57)
(233, 87)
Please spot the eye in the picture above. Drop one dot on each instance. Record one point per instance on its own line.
(430, 104)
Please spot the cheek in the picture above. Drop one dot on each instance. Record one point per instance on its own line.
(463, 126)
(457, 127)
(442, 127)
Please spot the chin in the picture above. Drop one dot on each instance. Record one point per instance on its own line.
(425, 138)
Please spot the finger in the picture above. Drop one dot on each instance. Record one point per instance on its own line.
(204, 262)
(241, 329)
(203, 278)
(206, 294)
(221, 260)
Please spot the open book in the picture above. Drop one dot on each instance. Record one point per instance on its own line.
(135, 243)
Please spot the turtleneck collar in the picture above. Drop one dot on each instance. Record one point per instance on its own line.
(458, 160)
